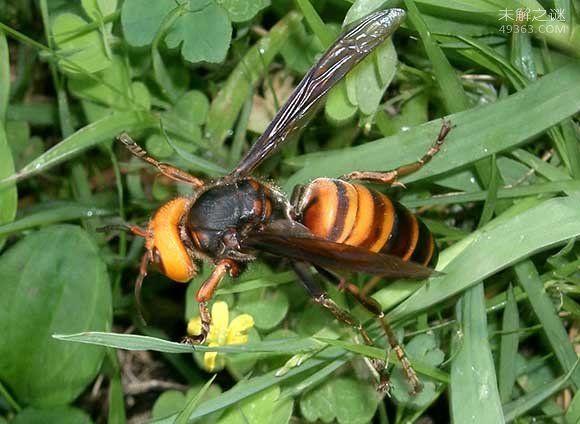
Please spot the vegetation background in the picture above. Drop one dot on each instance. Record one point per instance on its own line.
(494, 338)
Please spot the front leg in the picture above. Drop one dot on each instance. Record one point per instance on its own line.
(205, 293)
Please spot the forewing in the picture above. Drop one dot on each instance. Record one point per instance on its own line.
(294, 241)
(347, 51)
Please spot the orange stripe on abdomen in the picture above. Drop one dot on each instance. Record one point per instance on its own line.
(319, 207)
(347, 213)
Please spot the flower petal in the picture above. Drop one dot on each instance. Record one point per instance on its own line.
(194, 326)
(242, 323)
(238, 329)
(220, 316)
(209, 360)
(237, 339)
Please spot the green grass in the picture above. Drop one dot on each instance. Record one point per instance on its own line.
(493, 337)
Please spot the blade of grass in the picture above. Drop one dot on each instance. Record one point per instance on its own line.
(8, 194)
(452, 91)
(315, 22)
(478, 132)
(57, 213)
(568, 187)
(509, 347)
(197, 163)
(97, 132)
(116, 413)
(379, 353)
(473, 380)
(543, 168)
(314, 379)
(257, 384)
(531, 400)
(573, 412)
(491, 198)
(4, 76)
(553, 327)
(183, 416)
(550, 223)
(135, 342)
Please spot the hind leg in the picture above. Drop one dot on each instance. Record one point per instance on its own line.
(391, 177)
(373, 307)
(321, 297)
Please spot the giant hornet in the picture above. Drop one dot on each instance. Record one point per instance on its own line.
(330, 224)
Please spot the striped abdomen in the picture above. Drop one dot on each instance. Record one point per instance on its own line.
(352, 214)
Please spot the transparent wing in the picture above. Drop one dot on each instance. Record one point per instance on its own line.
(347, 51)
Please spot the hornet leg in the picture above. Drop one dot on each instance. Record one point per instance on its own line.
(391, 177)
(166, 169)
(204, 295)
(373, 307)
(321, 297)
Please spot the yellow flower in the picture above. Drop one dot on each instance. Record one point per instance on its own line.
(221, 332)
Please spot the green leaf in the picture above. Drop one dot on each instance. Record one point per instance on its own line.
(203, 31)
(370, 85)
(534, 398)
(379, 353)
(300, 51)
(43, 285)
(117, 92)
(56, 415)
(338, 107)
(168, 403)
(226, 106)
(362, 8)
(141, 19)
(473, 385)
(84, 52)
(367, 82)
(116, 401)
(98, 9)
(172, 402)
(8, 194)
(452, 91)
(346, 399)
(268, 307)
(243, 10)
(193, 106)
(264, 408)
(422, 348)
